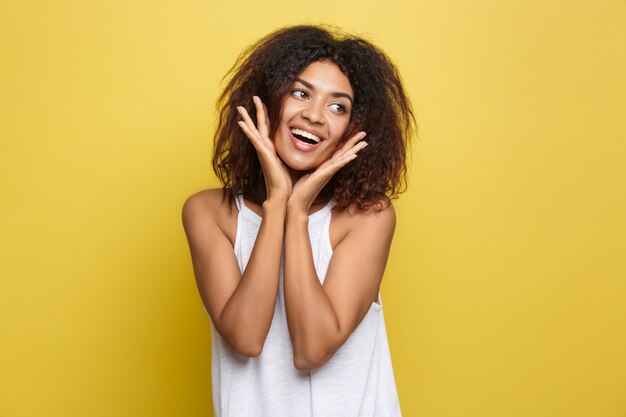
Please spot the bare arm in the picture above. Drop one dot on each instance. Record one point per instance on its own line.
(321, 318)
(241, 306)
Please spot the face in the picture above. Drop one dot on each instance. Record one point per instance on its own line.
(314, 116)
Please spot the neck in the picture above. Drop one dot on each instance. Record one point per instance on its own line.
(295, 175)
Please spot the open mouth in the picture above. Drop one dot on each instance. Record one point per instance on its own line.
(305, 137)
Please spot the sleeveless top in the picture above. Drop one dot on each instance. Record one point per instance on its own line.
(357, 381)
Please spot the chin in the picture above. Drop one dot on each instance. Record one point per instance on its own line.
(297, 160)
(298, 165)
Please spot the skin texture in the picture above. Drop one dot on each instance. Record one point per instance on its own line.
(320, 317)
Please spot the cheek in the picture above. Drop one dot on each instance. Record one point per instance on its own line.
(344, 126)
(340, 135)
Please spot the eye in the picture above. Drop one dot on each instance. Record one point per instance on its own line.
(340, 108)
(300, 93)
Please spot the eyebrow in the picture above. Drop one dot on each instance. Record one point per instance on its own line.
(334, 94)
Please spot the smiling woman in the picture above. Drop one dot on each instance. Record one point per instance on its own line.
(314, 116)
(291, 278)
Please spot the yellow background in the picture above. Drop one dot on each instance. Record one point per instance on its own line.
(505, 292)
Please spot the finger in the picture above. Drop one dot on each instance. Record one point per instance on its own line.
(267, 117)
(348, 156)
(332, 166)
(253, 136)
(318, 179)
(358, 146)
(261, 117)
(350, 143)
(247, 120)
(355, 139)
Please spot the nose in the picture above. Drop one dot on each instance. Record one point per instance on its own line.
(313, 112)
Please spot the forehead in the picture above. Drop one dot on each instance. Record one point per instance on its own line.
(327, 77)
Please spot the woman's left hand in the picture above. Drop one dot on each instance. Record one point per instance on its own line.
(306, 189)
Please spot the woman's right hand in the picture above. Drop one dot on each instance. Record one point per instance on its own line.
(277, 179)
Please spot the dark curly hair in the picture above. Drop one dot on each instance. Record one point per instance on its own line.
(381, 108)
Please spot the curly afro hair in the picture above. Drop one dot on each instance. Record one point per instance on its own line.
(268, 69)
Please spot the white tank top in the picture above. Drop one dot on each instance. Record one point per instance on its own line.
(357, 381)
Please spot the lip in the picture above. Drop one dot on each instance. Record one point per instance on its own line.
(302, 146)
(306, 129)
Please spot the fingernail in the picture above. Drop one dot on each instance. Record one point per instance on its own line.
(363, 135)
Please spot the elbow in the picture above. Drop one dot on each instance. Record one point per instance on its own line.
(247, 348)
(310, 361)
(242, 341)
(251, 352)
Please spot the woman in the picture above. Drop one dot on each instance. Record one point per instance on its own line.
(290, 253)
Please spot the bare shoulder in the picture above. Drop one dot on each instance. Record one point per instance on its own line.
(209, 206)
(203, 204)
(209, 199)
(375, 221)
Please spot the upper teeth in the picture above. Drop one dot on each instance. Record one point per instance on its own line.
(305, 134)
